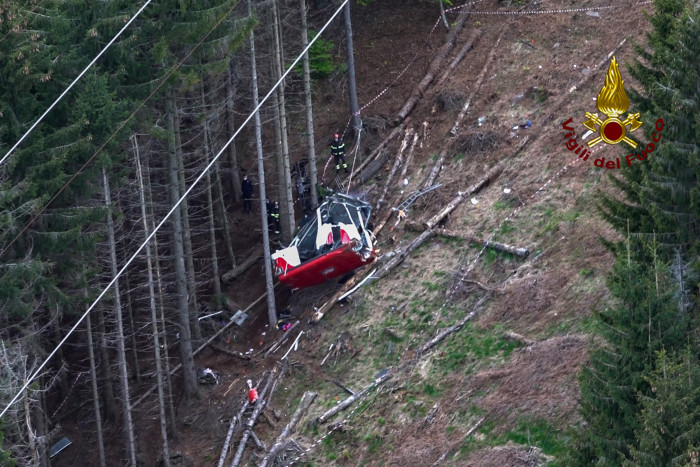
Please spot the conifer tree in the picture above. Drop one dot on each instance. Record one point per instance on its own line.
(668, 424)
(663, 196)
(643, 320)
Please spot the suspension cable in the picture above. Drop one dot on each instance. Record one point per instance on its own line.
(176, 206)
(70, 86)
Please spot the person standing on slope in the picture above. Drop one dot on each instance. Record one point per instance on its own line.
(247, 189)
(338, 151)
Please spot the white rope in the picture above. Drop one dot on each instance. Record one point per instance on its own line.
(73, 83)
(176, 206)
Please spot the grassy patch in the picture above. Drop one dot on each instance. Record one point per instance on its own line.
(540, 433)
(374, 442)
(469, 346)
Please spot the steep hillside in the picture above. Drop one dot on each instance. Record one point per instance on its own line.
(502, 389)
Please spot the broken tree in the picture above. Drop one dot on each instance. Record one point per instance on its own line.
(306, 401)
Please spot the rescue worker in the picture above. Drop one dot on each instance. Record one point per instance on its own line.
(252, 393)
(274, 214)
(270, 206)
(247, 189)
(338, 151)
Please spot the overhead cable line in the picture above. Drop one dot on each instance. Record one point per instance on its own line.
(70, 86)
(176, 206)
(119, 128)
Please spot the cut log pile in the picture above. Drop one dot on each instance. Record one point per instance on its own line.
(270, 383)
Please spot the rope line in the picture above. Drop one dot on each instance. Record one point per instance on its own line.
(176, 206)
(70, 86)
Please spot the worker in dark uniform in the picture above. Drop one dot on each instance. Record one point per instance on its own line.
(274, 214)
(338, 151)
(270, 207)
(247, 189)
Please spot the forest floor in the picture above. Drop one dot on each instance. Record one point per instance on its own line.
(522, 397)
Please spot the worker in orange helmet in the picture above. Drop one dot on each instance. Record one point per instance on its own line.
(252, 393)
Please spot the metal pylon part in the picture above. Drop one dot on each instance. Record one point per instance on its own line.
(405, 204)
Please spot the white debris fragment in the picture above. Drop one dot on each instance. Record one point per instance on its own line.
(506, 190)
(475, 201)
(594, 14)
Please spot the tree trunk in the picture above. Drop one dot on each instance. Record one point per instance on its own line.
(313, 176)
(187, 234)
(394, 168)
(490, 175)
(106, 369)
(347, 402)
(286, 210)
(271, 309)
(469, 45)
(442, 15)
(352, 84)
(262, 402)
(154, 319)
(306, 400)
(434, 67)
(161, 305)
(95, 391)
(221, 208)
(121, 351)
(231, 127)
(212, 223)
(244, 266)
(187, 360)
(377, 151)
(134, 348)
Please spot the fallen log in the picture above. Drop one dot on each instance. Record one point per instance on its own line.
(347, 402)
(371, 169)
(326, 307)
(394, 168)
(242, 267)
(228, 352)
(262, 402)
(394, 133)
(229, 435)
(452, 329)
(306, 400)
(434, 67)
(477, 85)
(344, 388)
(469, 45)
(281, 340)
(490, 175)
(409, 158)
(437, 167)
(469, 433)
(399, 257)
(257, 441)
(498, 246)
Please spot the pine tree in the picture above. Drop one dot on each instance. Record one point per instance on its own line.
(663, 196)
(643, 320)
(668, 424)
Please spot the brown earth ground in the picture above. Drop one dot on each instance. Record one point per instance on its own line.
(524, 396)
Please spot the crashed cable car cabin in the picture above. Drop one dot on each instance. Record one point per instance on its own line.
(333, 243)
